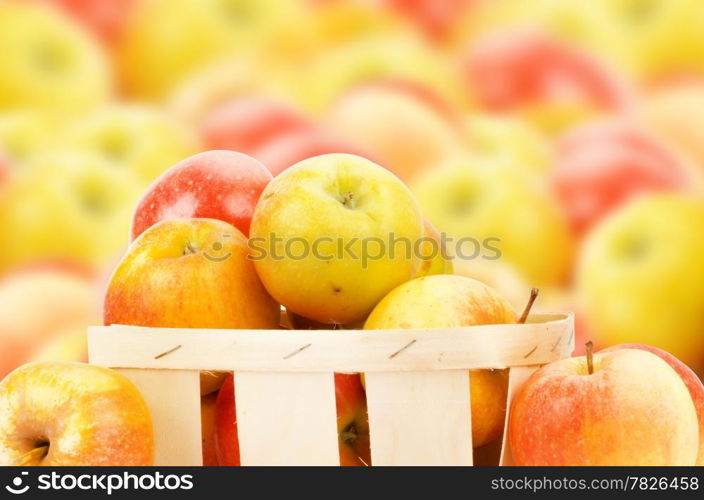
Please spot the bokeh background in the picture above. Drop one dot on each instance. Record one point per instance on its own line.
(572, 131)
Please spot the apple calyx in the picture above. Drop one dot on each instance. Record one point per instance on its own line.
(529, 305)
(33, 456)
(349, 435)
(590, 356)
(190, 248)
(349, 200)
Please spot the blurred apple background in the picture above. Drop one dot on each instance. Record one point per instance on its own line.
(572, 131)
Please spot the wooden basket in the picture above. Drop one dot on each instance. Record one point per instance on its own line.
(416, 381)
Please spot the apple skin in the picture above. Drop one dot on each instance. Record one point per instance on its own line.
(87, 415)
(105, 18)
(189, 273)
(352, 423)
(447, 301)
(533, 73)
(433, 261)
(54, 65)
(43, 312)
(222, 185)
(344, 198)
(248, 122)
(639, 276)
(601, 165)
(633, 410)
(690, 379)
(207, 426)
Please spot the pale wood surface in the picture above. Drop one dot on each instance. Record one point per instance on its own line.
(420, 418)
(286, 418)
(547, 338)
(173, 398)
(516, 378)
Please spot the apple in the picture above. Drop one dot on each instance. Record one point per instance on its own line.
(546, 80)
(433, 17)
(68, 205)
(290, 148)
(53, 64)
(207, 426)
(73, 414)
(220, 185)
(690, 379)
(506, 215)
(25, 133)
(435, 257)
(448, 301)
(352, 423)
(639, 275)
(332, 235)
(246, 123)
(4, 169)
(403, 131)
(39, 308)
(105, 18)
(139, 138)
(165, 41)
(627, 407)
(601, 165)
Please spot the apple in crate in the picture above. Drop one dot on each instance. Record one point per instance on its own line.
(352, 424)
(189, 273)
(73, 414)
(325, 203)
(626, 407)
(448, 301)
(220, 185)
(690, 379)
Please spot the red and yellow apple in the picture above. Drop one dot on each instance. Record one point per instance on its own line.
(628, 408)
(105, 18)
(73, 414)
(222, 185)
(207, 428)
(447, 301)
(331, 236)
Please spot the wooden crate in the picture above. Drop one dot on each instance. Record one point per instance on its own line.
(416, 381)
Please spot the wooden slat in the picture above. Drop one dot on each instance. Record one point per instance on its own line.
(487, 346)
(173, 398)
(286, 418)
(516, 378)
(420, 418)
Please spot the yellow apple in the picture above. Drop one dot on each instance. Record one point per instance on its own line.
(333, 234)
(48, 63)
(640, 273)
(25, 133)
(447, 301)
(492, 203)
(67, 205)
(142, 139)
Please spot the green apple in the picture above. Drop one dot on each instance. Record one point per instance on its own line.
(482, 198)
(143, 139)
(327, 204)
(47, 62)
(640, 275)
(67, 205)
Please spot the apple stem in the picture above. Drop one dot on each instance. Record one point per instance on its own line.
(191, 248)
(590, 356)
(32, 456)
(529, 305)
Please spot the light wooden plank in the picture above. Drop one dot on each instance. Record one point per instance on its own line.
(420, 418)
(173, 398)
(516, 378)
(286, 418)
(546, 339)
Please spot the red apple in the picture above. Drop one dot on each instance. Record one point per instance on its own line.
(601, 165)
(207, 428)
(626, 407)
(690, 379)
(432, 16)
(105, 18)
(352, 423)
(247, 123)
(222, 185)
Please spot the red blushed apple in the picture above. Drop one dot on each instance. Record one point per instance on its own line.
(626, 407)
(288, 149)
(207, 427)
(690, 379)
(247, 123)
(352, 423)
(222, 185)
(73, 414)
(105, 18)
(601, 165)
(434, 17)
(507, 71)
